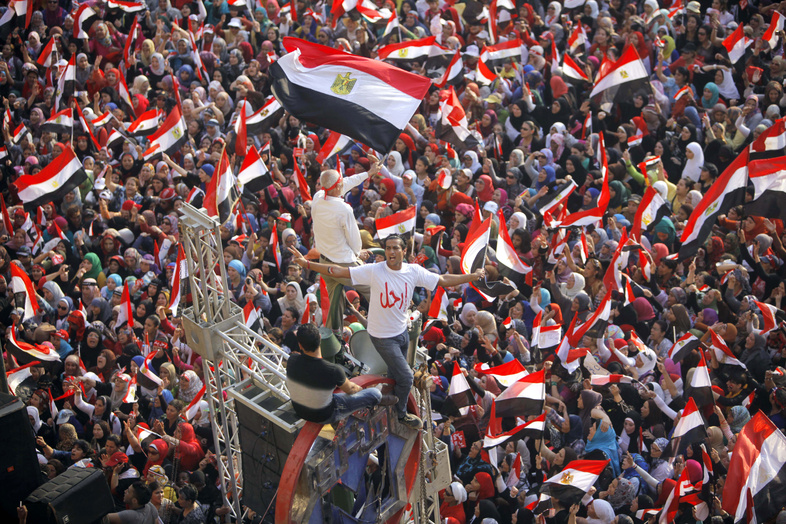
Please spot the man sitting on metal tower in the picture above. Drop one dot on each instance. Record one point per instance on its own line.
(392, 285)
(311, 381)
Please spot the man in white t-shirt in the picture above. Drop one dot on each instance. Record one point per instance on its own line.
(392, 284)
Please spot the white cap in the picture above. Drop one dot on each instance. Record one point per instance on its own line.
(472, 50)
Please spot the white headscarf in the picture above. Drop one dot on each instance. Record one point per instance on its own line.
(475, 164)
(299, 303)
(648, 358)
(692, 168)
(397, 169)
(33, 412)
(522, 220)
(578, 286)
(727, 88)
(459, 492)
(603, 510)
(465, 311)
(549, 20)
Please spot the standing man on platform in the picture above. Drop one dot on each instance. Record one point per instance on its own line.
(337, 237)
(392, 284)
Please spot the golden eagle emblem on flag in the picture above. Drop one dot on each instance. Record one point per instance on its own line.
(177, 132)
(711, 208)
(403, 52)
(401, 229)
(623, 73)
(567, 478)
(343, 85)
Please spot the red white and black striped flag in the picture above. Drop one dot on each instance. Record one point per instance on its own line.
(683, 347)
(602, 380)
(700, 385)
(691, 428)
(723, 354)
(727, 191)
(496, 437)
(254, 175)
(510, 265)
(368, 100)
(571, 484)
(459, 393)
(756, 482)
(522, 398)
(452, 125)
(221, 193)
(651, 210)
(506, 374)
(401, 223)
(24, 291)
(53, 182)
(62, 122)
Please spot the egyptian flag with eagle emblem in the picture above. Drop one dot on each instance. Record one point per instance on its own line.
(367, 100)
(571, 484)
(172, 134)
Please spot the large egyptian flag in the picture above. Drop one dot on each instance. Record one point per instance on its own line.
(571, 484)
(629, 68)
(756, 482)
(365, 99)
(522, 398)
(83, 20)
(452, 126)
(727, 191)
(53, 182)
(222, 193)
(506, 374)
(401, 223)
(683, 347)
(700, 386)
(691, 428)
(254, 175)
(509, 263)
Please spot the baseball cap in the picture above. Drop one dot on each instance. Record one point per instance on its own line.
(494, 99)
(235, 22)
(117, 457)
(212, 122)
(23, 251)
(472, 50)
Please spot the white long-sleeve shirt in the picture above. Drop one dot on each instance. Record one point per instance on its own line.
(336, 232)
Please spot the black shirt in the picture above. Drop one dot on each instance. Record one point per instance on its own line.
(311, 382)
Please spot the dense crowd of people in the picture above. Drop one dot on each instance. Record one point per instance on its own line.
(535, 128)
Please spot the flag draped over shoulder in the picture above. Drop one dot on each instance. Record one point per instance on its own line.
(365, 99)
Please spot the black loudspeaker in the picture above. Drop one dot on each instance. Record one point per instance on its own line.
(20, 472)
(76, 496)
(266, 447)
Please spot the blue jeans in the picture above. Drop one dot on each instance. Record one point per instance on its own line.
(348, 404)
(394, 352)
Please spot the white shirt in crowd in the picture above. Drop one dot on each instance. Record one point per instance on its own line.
(336, 232)
(391, 293)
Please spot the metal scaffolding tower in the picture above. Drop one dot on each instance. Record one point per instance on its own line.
(243, 370)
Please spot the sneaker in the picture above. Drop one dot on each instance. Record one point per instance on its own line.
(388, 400)
(411, 421)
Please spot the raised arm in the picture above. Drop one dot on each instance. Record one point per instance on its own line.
(327, 269)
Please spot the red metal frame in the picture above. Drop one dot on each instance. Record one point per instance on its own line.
(306, 438)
